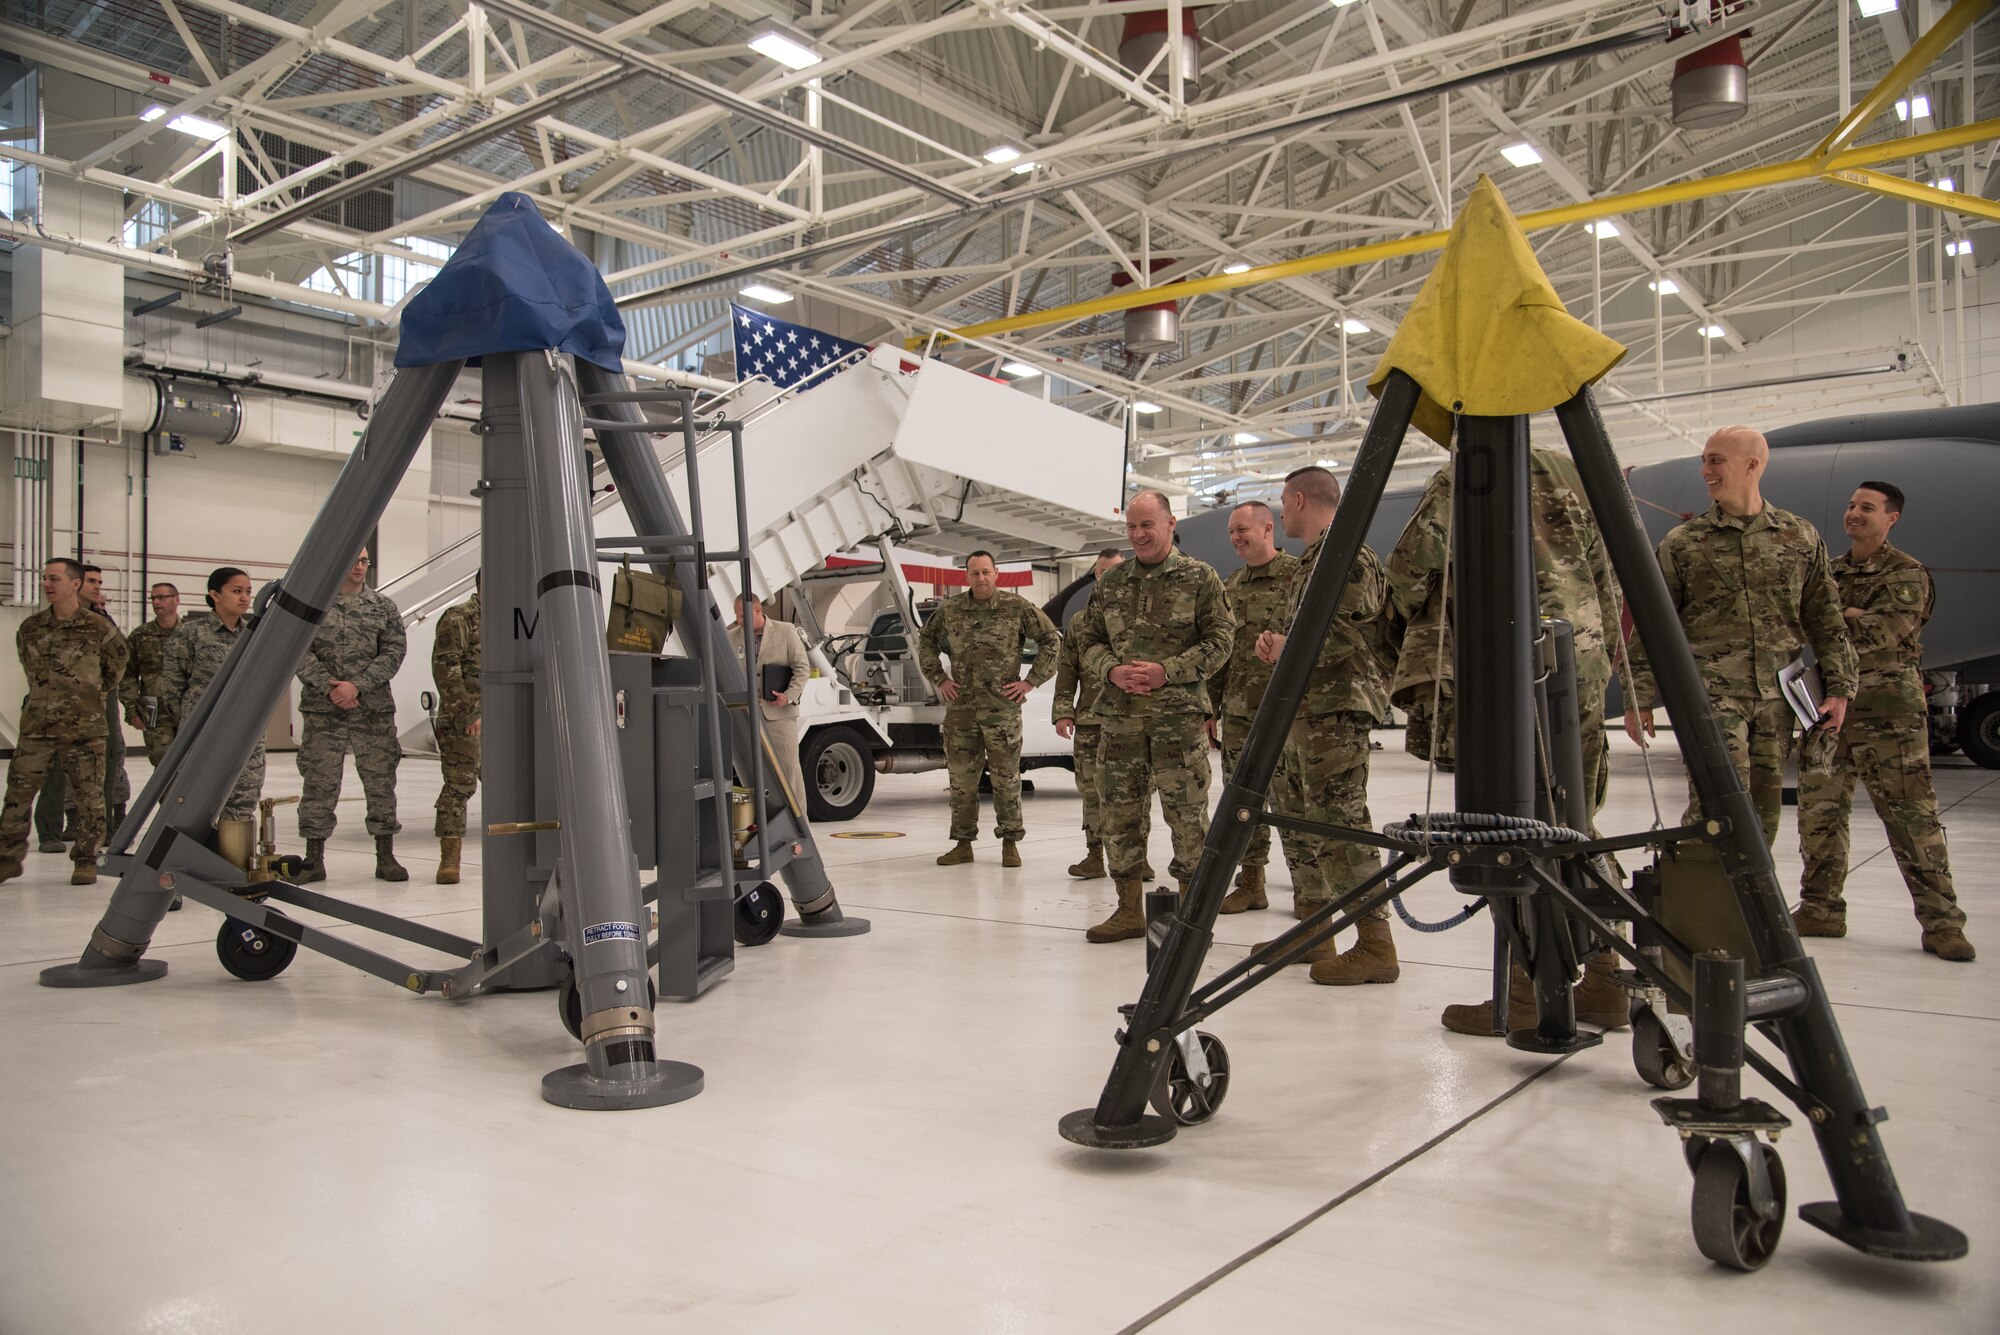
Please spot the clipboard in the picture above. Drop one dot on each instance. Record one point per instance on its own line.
(1799, 682)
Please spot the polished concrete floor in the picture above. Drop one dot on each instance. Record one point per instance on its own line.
(875, 1149)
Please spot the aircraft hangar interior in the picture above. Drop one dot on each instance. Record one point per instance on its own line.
(999, 665)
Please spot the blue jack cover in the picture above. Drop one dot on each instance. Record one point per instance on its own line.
(514, 285)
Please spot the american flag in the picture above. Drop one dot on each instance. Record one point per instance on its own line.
(786, 352)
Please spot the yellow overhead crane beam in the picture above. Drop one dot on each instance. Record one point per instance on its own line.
(1830, 161)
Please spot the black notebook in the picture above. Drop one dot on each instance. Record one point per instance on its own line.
(775, 678)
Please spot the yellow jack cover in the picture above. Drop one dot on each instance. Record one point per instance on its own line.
(1487, 335)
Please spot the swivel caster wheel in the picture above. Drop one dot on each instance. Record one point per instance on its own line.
(759, 914)
(569, 1005)
(1659, 1057)
(251, 954)
(1195, 1081)
(1737, 1220)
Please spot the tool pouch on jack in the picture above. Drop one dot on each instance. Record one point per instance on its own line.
(644, 607)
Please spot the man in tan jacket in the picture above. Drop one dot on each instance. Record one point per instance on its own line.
(779, 644)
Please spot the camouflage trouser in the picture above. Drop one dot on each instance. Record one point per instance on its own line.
(1083, 753)
(40, 758)
(1326, 777)
(241, 804)
(990, 740)
(1135, 757)
(1590, 726)
(157, 742)
(57, 805)
(1234, 730)
(1891, 757)
(1759, 736)
(458, 759)
(322, 752)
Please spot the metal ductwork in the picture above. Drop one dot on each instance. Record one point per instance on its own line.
(1145, 37)
(1150, 329)
(195, 410)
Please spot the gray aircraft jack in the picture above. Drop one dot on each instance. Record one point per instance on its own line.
(563, 901)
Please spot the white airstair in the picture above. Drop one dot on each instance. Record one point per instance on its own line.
(937, 459)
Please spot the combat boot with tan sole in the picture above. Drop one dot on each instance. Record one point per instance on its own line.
(1126, 921)
(959, 854)
(448, 848)
(1249, 892)
(1010, 853)
(1597, 1000)
(1477, 1019)
(1092, 866)
(1371, 960)
(1949, 943)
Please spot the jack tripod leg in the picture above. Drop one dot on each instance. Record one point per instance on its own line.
(1120, 1120)
(1869, 1213)
(604, 916)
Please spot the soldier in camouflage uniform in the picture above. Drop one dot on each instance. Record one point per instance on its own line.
(1076, 696)
(1886, 597)
(1155, 630)
(1753, 585)
(1573, 583)
(148, 646)
(194, 654)
(1325, 772)
(455, 669)
(347, 707)
(55, 810)
(1260, 599)
(986, 632)
(73, 659)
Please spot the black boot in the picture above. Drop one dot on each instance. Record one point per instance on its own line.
(386, 866)
(315, 865)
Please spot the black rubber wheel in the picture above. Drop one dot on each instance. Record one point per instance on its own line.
(839, 768)
(252, 955)
(1726, 1229)
(569, 1005)
(1180, 1097)
(1979, 730)
(1655, 1056)
(759, 914)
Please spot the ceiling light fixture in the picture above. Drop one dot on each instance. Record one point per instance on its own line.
(1350, 325)
(1247, 438)
(193, 126)
(1875, 9)
(1944, 183)
(1521, 155)
(1238, 267)
(1603, 229)
(766, 293)
(1962, 246)
(1146, 408)
(1020, 370)
(788, 49)
(1915, 108)
(1714, 331)
(1023, 168)
(1002, 154)
(1666, 287)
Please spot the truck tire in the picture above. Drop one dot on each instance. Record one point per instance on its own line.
(1979, 729)
(839, 766)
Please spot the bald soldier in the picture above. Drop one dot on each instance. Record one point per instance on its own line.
(1753, 586)
(1325, 771)
(986, 632)
(1886, 597)
(1259, 594)
(1155, 629)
